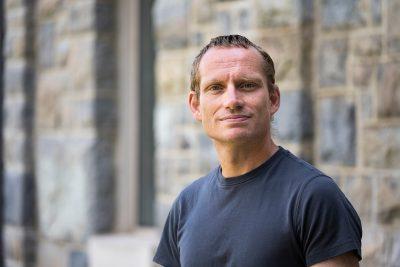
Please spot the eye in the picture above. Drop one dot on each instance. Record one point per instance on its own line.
(248, 85)
(215, 88)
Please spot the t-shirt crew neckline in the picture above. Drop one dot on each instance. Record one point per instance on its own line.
(232, 181)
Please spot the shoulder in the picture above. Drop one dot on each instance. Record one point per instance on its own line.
(321, 186)
(312, 187)
(296, 173)
(200, 183)
(321, 200)
(299, 166)
(187, 199)
(190, 194)
(318, 191)
(326, 223)
(321, 192)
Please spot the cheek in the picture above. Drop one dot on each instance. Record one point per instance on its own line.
(262, 104)
(208, 108)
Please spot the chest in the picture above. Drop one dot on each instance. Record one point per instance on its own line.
(239, 229)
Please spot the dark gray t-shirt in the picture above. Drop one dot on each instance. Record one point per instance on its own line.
(283, 213)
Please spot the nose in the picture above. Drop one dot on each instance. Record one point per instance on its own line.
(232, 99)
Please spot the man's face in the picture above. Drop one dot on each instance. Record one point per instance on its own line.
(234, 104)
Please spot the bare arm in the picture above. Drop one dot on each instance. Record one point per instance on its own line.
(345, 260)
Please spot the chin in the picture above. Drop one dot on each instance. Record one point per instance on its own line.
(237, 137)
(243, 135)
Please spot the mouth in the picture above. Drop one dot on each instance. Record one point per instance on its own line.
(235, 118)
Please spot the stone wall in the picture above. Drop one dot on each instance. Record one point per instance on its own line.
(338, 71)
(357, 97)
(19, 233)
(59, 128)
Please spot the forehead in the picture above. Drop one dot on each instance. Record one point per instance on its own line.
(226, 59)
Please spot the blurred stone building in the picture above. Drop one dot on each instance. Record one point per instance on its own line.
(98, 139)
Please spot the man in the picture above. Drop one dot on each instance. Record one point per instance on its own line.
(262, 206)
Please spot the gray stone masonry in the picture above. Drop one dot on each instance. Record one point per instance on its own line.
(381, 147)
(60, 80)
(293, 125)
(358, 122)
(337, 133)
(389, 95)
(341, 14)
(18, 118)
(76, 124)
(332, 62)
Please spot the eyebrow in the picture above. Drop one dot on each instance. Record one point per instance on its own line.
(250, 79)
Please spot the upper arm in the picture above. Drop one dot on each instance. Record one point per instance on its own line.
(167, 253)
(344, 260)
(328, 226)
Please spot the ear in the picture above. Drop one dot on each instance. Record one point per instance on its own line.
(275, 99)
(194, 104)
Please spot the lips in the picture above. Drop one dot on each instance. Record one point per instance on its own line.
(235, 118)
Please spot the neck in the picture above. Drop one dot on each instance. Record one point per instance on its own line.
(238, 159)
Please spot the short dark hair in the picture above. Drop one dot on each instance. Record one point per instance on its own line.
(231, 41)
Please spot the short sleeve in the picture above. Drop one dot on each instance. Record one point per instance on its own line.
(327, 224)
(167, 253)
